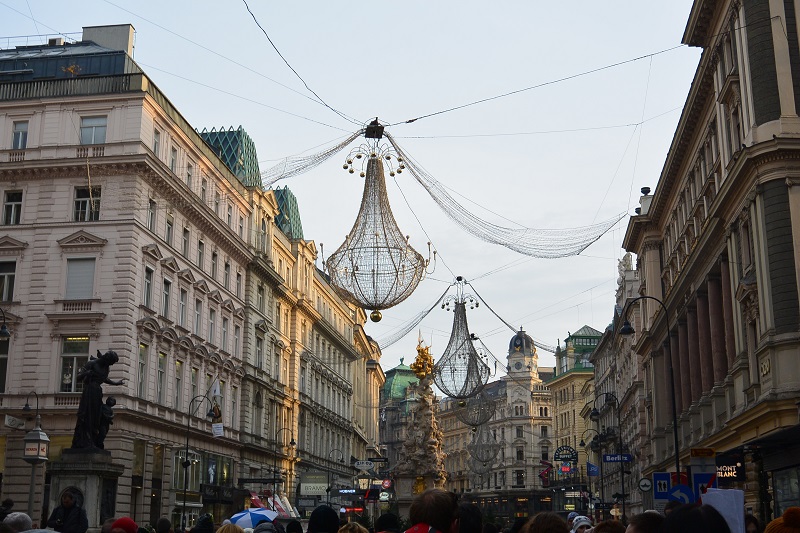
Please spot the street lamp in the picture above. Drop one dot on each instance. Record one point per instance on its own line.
(627, 329)
(292, 443)
(330, 470)
(186, 462)
(610, 398)
(37, 443)
(595, 447)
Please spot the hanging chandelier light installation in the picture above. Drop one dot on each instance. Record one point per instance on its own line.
(476, 410)
(375, 268)
(484, 446)
(461, 372)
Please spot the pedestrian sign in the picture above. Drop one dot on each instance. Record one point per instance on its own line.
(661, 485)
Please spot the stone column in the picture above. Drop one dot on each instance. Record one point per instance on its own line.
(694, 353)
(727, 312)
(686, 369)
(704, 338)
(717, 329)
(674, 355)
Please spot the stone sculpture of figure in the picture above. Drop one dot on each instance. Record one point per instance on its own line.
(90, 410)
(106, 419)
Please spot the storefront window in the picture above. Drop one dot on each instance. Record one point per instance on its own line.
(787, 492)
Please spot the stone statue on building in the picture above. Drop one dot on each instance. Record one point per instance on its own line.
(94, 416)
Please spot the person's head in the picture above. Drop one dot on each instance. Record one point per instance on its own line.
(570, 517)
(106, 527)
(124, 525)
(436, 508)
(67, 499)
(230, 528)
(163, 525)
(294, 526)
(609, 526)
(518, 524)
(671, 506)
(353, 527)
(18, 521)
(647, 522)
(323, 519)
(788, 523)
(695, 519)
(751, 524)
(580, 524)
(386, 522)
(470, 519)
(546, 522)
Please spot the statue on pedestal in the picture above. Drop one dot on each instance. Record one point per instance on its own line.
(94, 416)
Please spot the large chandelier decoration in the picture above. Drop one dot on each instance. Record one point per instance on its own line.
(484, 446)
(376, 267)
(477, 410)
(461, 372)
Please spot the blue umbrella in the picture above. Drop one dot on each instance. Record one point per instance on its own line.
(251, 517)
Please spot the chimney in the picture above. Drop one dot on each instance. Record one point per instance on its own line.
(55, 41)
(116, 37)
(645, 201)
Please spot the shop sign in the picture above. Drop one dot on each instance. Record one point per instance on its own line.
(566, 453)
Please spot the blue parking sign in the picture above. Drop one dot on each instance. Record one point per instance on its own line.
(662, 482)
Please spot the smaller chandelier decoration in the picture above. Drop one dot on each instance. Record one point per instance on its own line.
(376, 267)
(461, 372)
(476, 410)
(480, 467)
(484, 446)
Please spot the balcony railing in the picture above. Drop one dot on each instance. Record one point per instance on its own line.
(80, 86)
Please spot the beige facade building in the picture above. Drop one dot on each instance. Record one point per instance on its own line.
(123, 229)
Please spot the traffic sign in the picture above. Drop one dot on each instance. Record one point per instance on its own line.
(701, 481)
(386, 484)
(365, 465)
(617, 458)
(645, 484)
(681, 493)
(702, 452)
(661, 485)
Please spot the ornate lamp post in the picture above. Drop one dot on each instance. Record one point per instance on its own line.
(595, 447)
(37, 443)
(610, 398)
(627, 329)
(292, 443)
(186, 462)
(330, 471)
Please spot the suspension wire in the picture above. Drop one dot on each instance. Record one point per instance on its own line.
(349, 119)
(403, 331)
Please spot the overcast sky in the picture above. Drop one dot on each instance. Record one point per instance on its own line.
(566, 154)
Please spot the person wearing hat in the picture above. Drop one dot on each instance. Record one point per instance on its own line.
(570, 517)
(69, 517)
(788, 523)
(124, 525)
(580, 524)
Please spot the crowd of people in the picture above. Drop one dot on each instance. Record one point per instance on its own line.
(433, 511)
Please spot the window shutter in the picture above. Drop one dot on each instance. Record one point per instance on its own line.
(80, 279)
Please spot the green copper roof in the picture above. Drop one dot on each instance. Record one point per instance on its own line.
(237, 150)
(397, 381)
(288, 219)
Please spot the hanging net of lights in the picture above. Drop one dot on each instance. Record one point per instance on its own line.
(476, 410)
(480, 467)
(484, 447)
(460, 372)
(375, 268)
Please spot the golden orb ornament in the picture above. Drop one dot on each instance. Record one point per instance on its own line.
(375, 316)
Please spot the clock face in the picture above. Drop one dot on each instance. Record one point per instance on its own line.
(518, 365)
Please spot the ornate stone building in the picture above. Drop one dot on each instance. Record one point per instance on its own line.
(124, 229)
(717, 242)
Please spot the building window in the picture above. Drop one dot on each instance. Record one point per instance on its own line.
(212, 318)
(201, 249)
(148, 288)
(260, 298)
(19, 137)
(203, 190)
(183, 300)
(185, 243)
(168, 230)
(520, 453)
(226, 278)
(162, 375)
(151, 214)
(198, 316)
(259, 362)
(87, 204)
(74, 354)
(216, 204)
(230, 215)
(173, 159)
(241, 227)
(189, 173)
(544, 432)
(12, 209)
(141, 373)
(238, 285)
(178, 384)
(519, 478)
(193, 384)
(225, 334)
(166, 298)
(93, 130)
(237, 331)
(519, 432)
(157, 143)
(80, 279)
(7, 277)
(545, 453)
(3, 363)
(214, 258)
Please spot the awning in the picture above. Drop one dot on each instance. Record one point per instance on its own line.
(255, 501)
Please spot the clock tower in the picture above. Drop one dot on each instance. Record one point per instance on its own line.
(523, 361)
